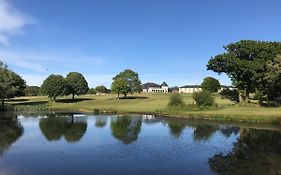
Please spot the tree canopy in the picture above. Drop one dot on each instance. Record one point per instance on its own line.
(211, 84)
(126, 82)
(245, 62)
(101, 89)
(11, 84)
(77, 84)
(54, 86)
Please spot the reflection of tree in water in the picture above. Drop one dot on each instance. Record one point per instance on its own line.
(100, 121)
(10, 131)
(227, 131)
(255, 152)
(126, 129)
(53, 128)
(204, 132)
(176, 127)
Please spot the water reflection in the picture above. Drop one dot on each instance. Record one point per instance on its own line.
(203, 133)
(126, 128)
(228, 131)
(70, 127)
(255, 152)
(228, 149)
(101, 121)
(10, 131)
(176, 127)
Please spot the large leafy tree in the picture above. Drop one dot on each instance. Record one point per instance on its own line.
(245, 63)
(11, 84)
(54, 86)
(126, 82)
(273, 78)
(211, 84)
(77, 84)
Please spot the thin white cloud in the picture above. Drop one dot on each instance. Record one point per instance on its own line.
(22, 60)
(42, 62)
(11, 21)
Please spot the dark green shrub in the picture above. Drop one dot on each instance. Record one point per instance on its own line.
(211, 84)
(233, 95)
(203, 98)
(257, 96)
(176, 101)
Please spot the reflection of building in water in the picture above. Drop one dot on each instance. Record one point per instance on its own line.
(150, 119)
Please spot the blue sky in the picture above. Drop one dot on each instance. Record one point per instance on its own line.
(162, 40)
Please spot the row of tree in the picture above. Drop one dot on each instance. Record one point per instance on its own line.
(75, 84)
(56, 85)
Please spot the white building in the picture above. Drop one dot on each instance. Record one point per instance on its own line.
(153, 87)
(190, 89)
(198, 88)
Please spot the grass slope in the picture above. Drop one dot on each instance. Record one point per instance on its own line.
(154, 104)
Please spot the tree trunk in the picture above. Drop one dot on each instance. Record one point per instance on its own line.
(55, 99)
(118, 96)
(125, 95)
(247, 96)
(73, 97)
(2, 101)
(244, 95)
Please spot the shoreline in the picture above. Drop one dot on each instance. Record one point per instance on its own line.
(149, 104)
(199, 119)
(194, 115)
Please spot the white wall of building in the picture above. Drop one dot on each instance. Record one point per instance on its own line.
(189, 90)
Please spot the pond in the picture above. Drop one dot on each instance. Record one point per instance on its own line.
(60, 144)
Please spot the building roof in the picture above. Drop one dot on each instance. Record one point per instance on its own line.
(150, 84)
(175, 88)
(191, 86)
(164, 84)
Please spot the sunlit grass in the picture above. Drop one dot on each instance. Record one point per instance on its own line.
(151, 103)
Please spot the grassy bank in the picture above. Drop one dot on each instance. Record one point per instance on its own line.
(152, 104)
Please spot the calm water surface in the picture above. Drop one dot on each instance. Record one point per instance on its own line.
(60, 144)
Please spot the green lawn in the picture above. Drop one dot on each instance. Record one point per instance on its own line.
(154, 104)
